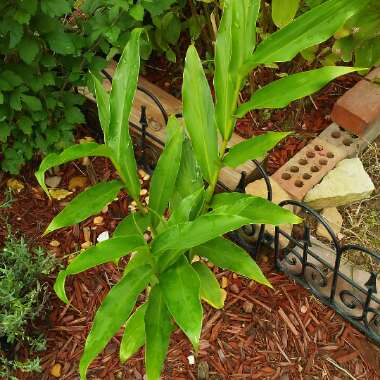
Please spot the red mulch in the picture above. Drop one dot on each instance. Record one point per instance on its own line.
(288, 334)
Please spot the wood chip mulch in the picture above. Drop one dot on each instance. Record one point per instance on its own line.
(261, 333)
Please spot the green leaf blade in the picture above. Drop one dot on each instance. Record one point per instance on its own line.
(165, 174)
(234, 211)
(119, 303)
(210, 290)
(198, 112)
(181, 289)
(133, 224)
(106, 251)
(89, 202)
(284, 11)
(72, 153)
(103, 103)
(312, 28)
(134, 334)
(254, 148)
(189, 178)
(235, 42)
(227, 255)
(158, 327)
(124, 86)
(280, 93)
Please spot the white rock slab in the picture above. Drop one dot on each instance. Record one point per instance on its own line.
(347, 183)
(334, 219)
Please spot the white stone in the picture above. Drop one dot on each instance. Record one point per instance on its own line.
(335, 221)
(191, 359)
(103, 236)
(259, 189)
(347, 183)
(53, 181)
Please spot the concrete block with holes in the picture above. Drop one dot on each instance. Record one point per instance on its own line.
(358, 110)
(350, 144)
(308, 167)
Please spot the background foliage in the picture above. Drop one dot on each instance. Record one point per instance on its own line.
(48, 47)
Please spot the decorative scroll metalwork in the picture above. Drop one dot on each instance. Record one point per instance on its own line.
(321, 268)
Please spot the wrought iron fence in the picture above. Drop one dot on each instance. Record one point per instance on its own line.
(322, 269)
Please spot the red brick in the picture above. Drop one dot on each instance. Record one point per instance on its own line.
(374, 74)
(359, 108)
(308, 167)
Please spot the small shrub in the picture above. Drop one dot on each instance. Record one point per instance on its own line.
(22, 298)
(184, 182)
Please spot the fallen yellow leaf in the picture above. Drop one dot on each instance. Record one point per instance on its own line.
(55, 243)
(98, 220)
(56, 370)
(59, 194)
(86, 139)
(15, 185)
(77, 182)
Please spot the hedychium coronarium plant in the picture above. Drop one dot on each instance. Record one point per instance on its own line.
(184, 215)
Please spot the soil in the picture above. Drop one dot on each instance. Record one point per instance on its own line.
(260, 334)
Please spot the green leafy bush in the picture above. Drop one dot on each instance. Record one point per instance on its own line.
(162, 22)
(22, 298)
(39, 54)
(46, 49)
(184, 182)
(357, 41)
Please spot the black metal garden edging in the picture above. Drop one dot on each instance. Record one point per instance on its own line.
(320, 269)
(314, 265)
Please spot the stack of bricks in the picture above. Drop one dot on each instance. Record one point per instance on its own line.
(356, 117)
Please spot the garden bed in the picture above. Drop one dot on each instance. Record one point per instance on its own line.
(260, 334)
(291, 337)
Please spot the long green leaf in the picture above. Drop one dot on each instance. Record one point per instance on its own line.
(141, 256)
(211, 292)
(158, 327)
(72, 153)
(280, 93)
(187, 208)
(189, 178)
(312, 28)
(198, 111)
(112, 313)
(284, 11)
(253, 148)
(165, 174)
(181, 289)
(104, 252)
(134, 334)
(124, 86)
(103, 103)
(85, 204)
(234, 44)
(133, 224)
(245, 210)
(227, 255)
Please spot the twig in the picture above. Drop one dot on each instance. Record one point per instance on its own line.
(336, 365)
(288, 322)
(312, 100)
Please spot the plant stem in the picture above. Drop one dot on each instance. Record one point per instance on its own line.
(211, 188)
